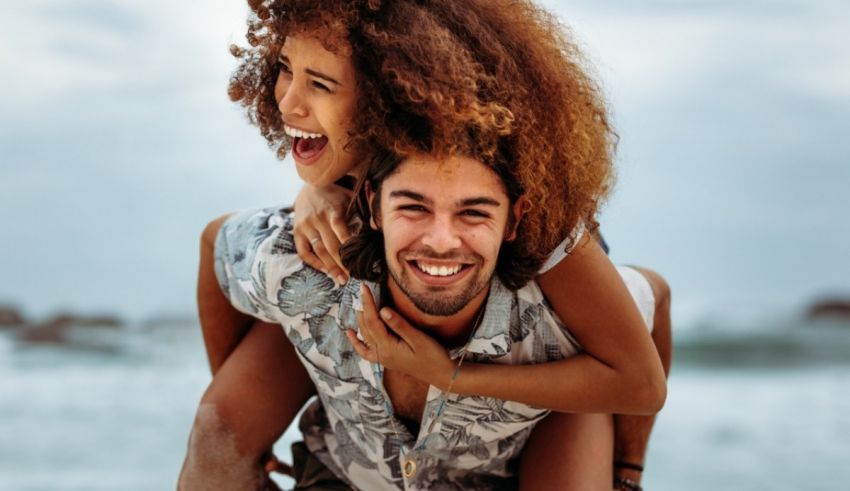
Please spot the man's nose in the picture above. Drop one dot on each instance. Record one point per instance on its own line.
(442, 235)
(292, 104)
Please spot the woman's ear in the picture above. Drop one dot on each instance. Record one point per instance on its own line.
(517, 210)
(370, 198)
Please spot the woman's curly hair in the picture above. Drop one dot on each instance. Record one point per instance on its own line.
(490, 79)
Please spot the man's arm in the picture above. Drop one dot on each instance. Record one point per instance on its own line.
(631, 435)
(222, 325)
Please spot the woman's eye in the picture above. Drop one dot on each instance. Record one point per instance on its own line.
(413, 208)
(321, 86)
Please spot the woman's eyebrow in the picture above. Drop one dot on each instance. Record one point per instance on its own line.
(322, 76)
(283, 58)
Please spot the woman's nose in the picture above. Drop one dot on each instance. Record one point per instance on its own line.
(292, 103)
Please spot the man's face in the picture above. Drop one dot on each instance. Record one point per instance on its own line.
(443, 224)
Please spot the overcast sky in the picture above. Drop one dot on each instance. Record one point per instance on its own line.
(118, 143)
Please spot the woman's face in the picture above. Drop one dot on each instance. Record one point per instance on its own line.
(316, 95)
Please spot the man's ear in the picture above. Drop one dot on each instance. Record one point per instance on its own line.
(370, 198)
(517, 210)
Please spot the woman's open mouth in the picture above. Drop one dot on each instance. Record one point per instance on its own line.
(306, 146)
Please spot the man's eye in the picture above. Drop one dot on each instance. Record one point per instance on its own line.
(475, 214)
(283, 66)
(413, 208)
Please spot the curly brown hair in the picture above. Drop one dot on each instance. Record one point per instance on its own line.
(484, 78)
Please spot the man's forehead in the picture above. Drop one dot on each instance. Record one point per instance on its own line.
(454, 178)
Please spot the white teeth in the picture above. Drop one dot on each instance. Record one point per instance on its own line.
(438, 270)
(296, 133)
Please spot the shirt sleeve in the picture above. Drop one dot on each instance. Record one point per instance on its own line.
(253, 250)
(563, 249)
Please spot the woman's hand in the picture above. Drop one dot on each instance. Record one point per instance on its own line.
(405, 349)
(320, 228)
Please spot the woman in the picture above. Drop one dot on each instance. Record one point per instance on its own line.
(349, 74)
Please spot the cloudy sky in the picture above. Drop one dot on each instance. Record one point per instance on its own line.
(118, 143)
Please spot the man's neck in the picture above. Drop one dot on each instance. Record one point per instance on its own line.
(451, 331)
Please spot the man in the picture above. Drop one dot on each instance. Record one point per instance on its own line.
(443, 225)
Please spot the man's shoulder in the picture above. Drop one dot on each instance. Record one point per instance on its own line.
(248, 230)
(533, 332)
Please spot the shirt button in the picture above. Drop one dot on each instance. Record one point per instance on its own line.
(409, 468)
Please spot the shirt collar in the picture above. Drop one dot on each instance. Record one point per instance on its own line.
(493, 336)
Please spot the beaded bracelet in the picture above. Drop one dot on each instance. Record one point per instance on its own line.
(623, 484)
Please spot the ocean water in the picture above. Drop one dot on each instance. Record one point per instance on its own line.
(765, 408)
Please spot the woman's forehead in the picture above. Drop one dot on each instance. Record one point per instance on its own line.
(333, 39)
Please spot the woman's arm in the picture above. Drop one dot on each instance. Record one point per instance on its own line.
(589, 296)
(619, 372)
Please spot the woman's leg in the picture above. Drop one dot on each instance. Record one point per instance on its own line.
(569, 452)
(251, 401)
(632, 432)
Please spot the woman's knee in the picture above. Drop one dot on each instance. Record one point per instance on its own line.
(660, 287)
(577, 450)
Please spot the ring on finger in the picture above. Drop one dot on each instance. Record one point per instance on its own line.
(314, 240)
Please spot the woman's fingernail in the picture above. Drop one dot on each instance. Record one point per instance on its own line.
(386, 314)
(342, 280)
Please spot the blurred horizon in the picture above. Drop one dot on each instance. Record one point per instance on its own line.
(118, 144)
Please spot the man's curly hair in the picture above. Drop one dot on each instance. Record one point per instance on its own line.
(482, 78)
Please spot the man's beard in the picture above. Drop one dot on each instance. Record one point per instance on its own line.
(437, 301)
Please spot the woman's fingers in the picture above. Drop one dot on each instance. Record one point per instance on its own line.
(375, 328)
(331, 244)
(305, 252)
(313, 249)
(401, 327)
(340, 228)
(367, 353)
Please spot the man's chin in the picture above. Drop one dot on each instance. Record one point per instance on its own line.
(440, 300)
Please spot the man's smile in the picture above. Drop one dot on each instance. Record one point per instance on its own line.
(439, 272)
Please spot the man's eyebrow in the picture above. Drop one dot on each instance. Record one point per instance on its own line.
(406, 193)
(483, 200)
(477, 201)
(312, 72)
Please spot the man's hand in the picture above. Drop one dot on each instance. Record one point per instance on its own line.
(405, 349)
(272, 464)
(320, 228)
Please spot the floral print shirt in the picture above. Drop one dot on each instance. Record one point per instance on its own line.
(473, 444)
